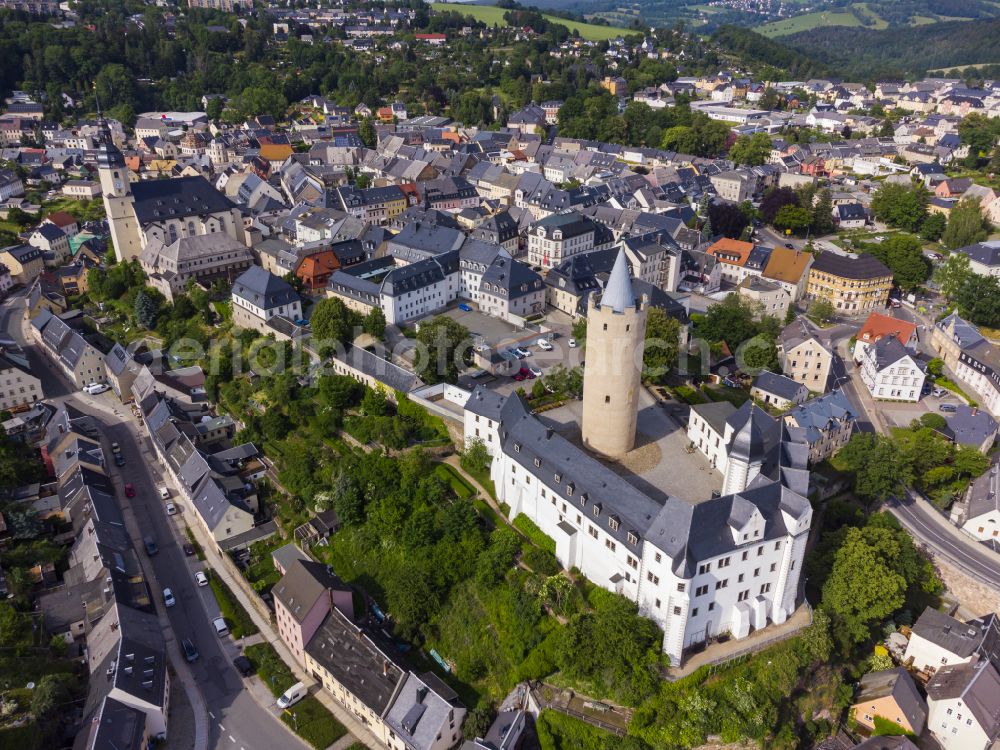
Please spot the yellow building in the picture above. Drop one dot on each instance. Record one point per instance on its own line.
(854, 284)
(23, 261)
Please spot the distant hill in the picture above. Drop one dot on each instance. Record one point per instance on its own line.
(863, 54)
(752, 47)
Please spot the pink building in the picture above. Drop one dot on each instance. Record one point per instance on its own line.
(303, 597)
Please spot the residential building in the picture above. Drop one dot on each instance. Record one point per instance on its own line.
(890, 695)
(425, 715)
(938, 640)
(768, 298)
(789, 269)
(739, 259)
(452, 194)
(890, 372)
(827, 423)
(119, 726)
(378, 205)
(82, 189)
(805, 356)
(259, 296)
(306, 594)
(558, 237)
(50, 239)
(733, 186)
(876, 326)
(778, 391)
(963, 703)
(316, 269)
(972, 427)
(850, 216)
(19, 388)
(980, 509)
(79, 360)
(853, 284)
(984, 257)
(202, 258)
(121, 370)
(971, 357)
(24, 262)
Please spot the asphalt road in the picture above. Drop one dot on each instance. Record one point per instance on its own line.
(918, 520)
(236, 721)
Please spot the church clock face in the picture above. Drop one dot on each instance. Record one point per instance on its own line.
(118, 185)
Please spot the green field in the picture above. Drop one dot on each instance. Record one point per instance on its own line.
(490, 15)
(808, 21)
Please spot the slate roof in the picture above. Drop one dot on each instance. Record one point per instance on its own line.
(263, 289)
(618, 293)
(898, 684)
(963, 639)
(356, 661)
(970, 426)
(986, 253)
(977, 685)
(510, 278)
(305, 582)
(778, 385)
(817, 415)
(984, 494)
(861, 267)
(485, 403)
(887, 352)
(420, 713)
(156, 200)
(851, 212)
(117, 727)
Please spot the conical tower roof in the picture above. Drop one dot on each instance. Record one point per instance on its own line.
(108, 154)
(618, 294)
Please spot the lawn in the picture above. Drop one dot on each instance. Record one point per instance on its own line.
(261, 573)
(809, 21)
(736, 396)
(490, 15)
(311, 721)
(236, 617)
(689, 395)
(454, 480)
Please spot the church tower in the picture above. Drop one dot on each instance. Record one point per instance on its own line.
(616, 329)
(746, 448)
(118, 201)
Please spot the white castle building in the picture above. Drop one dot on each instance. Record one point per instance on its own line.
(728, 564)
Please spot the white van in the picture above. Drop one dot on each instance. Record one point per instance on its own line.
(221, 629)
(293, 695)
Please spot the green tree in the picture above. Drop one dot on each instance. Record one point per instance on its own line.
(374, 403)
(374, 323)
(822, 213)
(731, 321)
(662, 344)
(147, 308)
(793, 218)
(51, 691)
(978, 300)
(900, 205)
(862, 588)
(332, 323)
(952, 274)
(446, 347)
(904, 256)
(932, 227)
(966, 225)
(476, 457)
(752, 150)
(366, 132)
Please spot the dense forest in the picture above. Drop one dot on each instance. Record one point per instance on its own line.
(866, 54)
(755, 49)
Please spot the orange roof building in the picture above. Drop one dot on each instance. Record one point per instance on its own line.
(276, 152)
(879, 326)
(734, 252)
(790, 269)
(315, 270)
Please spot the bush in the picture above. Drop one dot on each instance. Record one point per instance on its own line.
(558, 731)
(239, 622)
(539, 560)
(273, 672)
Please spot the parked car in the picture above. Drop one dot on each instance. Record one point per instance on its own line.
(572, 343)
(293, 695)
(168, 598)
(188, 550)
(464, 307)
(302, 322)
(171, 509)
(119, 460)
(522, 353)
(129, 490)
(519, 375)
(164, 492)
(190, 652)
(243, 665)
(948, 408)
(221, 629)
(95, 389)
(115, 448)
(789, 245)
(939, 392)
(514, 352)
(544, 345)
(526, 374)
(150, 544)
(535, 372)
(201, 578)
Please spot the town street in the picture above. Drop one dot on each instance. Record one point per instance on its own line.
(233, 719)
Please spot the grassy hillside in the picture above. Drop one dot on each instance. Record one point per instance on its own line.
(491, 15)
(821, 19)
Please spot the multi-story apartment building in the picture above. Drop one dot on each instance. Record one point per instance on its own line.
(854, 284)
(805, 357)
(558, 237)
(972, 358)
(890, 372)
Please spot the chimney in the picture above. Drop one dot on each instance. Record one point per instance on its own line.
(385, 668)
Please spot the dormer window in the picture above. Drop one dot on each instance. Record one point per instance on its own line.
(557, 478)
(583, 499)
(633, 538)
(517, 447)
(597, 510)
(538, 462)
(569, 489)
(613, 523)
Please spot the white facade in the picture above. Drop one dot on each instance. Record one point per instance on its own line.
(422, 301)
(902, 380)
(17, 387)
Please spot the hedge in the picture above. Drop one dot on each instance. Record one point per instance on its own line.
(538, 537)
(236, 617)
(268, 664)
(458, 485)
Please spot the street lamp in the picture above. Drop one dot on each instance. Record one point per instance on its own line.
(295, 720)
